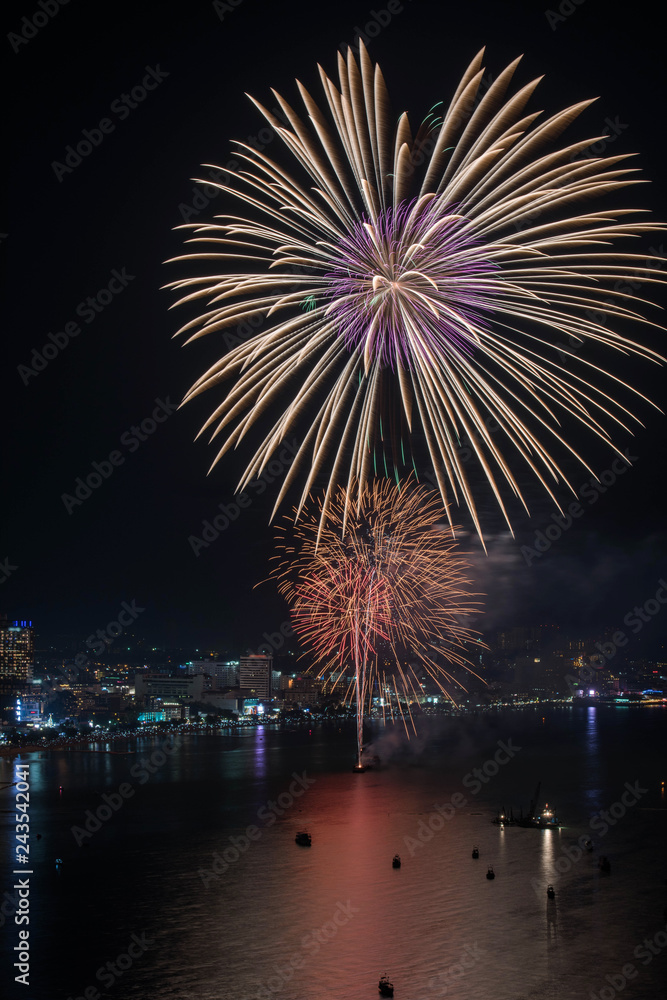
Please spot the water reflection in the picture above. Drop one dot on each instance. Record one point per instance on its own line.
(592, 734)
(260, 753)
(425, 923)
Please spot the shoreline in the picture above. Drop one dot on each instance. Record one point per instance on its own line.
(86, 745)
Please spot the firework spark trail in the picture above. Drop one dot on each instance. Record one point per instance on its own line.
(427, 273)
(378, 590)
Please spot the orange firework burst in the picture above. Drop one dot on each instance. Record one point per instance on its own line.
(378, 587)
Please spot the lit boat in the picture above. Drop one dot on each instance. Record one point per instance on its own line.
(551, 892)
(475, 852)
(546, 819)
(490, 873)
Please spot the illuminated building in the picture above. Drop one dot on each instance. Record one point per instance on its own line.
(255, 674)
(16, 649)
(300, 690)
(224, 673)
(29, 710)
(169, 690)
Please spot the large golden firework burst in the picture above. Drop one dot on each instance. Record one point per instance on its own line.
(419, 283)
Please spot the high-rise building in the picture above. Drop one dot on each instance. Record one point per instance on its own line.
(255, 674)
(16, 648)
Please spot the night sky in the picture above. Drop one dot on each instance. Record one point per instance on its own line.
(107, 223)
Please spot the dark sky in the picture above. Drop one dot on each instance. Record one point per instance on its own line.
(69, 233)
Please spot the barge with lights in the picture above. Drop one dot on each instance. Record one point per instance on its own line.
(544, 819)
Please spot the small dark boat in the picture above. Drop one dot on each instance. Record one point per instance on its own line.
(604, 865)
(589, 845)
(490, 873)
(303, 838)
(475, 852)
(385, 987)
(396, 861)
(551, 892)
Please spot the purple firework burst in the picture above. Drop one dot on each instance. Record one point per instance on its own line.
(410, 284)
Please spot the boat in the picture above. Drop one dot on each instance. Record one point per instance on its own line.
(303, 838)
(504, 818)
(367, 762)
(546, 819)
(490, 873)
(551, 892)
(475, 852)
(385, 987)
(589, 845)
(603, 864)
(396, 861)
